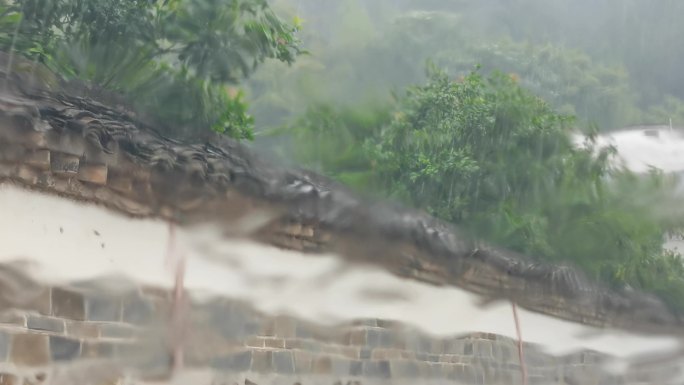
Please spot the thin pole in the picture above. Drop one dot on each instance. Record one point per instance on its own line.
(176, 261)
(521, 355)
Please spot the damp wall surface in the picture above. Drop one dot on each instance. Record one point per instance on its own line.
(95, 306)
(226, 340)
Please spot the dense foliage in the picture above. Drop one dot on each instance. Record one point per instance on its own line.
(597, 62)
(485, 153)
(173, 58)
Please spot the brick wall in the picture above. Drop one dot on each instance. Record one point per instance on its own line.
(67, 325)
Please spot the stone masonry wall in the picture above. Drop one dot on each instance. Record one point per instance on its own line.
(68, 325)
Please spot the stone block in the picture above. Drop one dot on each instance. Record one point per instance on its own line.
(97, 349)
(68, 304)
(437, 346)
(285, 327)
(303, 330)
(533, 358)
(379, 354)
(64, 349)
(355, 368)
(340, 367)
(30, 349)
(322, 365)
(303, 362)
(82, 329)
(472, 375)
(312, 346)
(294, 344)
(13, 318)
(48, 324)
(358, 337)
(138, 309)
(5, 344)
(391, 339)
(435, 370)
(276, 343)
(283, 362)
(240, 362)
(35, 139)
(232, 321)
(39, 159)
(120, 183)
(151, 358)
(27, 174)
(10, 379)
(7, 170)
(46, 179)
(370, 322)
(262, 361)
(482, 348)
(401, 369)
(11, 153)
(258, 342)
(365, 353)
(418, 343)
(351, 352)
(468, 348)
(38, 301)
(376, 369)
(64, 164)
(101, 308)
(374, 337)
(505, 352)
(116, 330)
(92, 173)
(538, 380)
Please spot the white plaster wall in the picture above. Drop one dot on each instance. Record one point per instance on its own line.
(68, 241)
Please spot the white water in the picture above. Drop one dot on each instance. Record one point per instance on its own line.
(642, 148)
(60, 237)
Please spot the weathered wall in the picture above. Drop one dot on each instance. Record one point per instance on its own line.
(233, 342)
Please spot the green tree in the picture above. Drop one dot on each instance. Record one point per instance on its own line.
(174, 58)
(568, 79)
(330, 139)
(489, 155)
